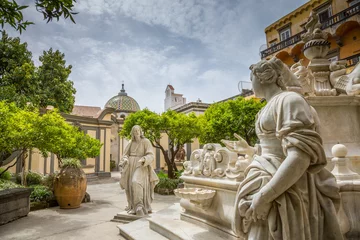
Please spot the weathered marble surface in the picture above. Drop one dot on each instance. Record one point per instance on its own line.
(349, 183)
(138, 178)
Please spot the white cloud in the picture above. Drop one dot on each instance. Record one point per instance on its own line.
(203, 48)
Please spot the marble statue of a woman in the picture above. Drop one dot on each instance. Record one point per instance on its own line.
(138, 178)
(287, 193)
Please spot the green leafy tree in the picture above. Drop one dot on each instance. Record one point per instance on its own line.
(23, 129)
(17, 130)
(222, 120)
(56, 89)
(17, 134)
(22, 82)
(63, 139)
(180, 129)
(11, 12)
(17, 72)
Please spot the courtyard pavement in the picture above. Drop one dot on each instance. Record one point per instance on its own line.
(90, 221)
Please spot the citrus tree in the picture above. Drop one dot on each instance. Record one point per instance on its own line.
(221, 120)
(179, 128)
(23, 129)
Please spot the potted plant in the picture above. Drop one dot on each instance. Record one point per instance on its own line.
(70, 184)
(69, 143)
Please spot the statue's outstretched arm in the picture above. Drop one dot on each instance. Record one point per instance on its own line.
(240, 146)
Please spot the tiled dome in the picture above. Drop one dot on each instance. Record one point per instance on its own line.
(123, 102)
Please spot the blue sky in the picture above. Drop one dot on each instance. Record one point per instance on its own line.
(203, 48)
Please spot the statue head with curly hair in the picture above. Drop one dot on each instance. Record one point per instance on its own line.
(269, 72)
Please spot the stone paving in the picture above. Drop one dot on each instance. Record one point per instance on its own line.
(90, 221)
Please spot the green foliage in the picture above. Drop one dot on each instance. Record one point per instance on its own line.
(53, 75)
(11, 12)
(71, 162)
(6, 175)
(32, 178)
(65, 140)
(48, 181)
(168, 183)
(178, 173)
(17, 129)
(112, 164)
(222, 120)
(6, 184)
(40, 193)
(162, 174)
(180, 129)
(22, 82)
(26, 129)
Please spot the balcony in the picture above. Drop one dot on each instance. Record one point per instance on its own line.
(281, 45)
(337, 18)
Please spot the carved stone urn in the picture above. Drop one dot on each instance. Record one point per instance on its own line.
(317, 48)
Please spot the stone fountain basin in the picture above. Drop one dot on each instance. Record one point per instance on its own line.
(195, 194)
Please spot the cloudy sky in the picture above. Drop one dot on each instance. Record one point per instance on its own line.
(202, 47)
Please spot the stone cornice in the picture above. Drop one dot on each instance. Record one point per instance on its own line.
(334, 101)
(194, 105)
(287, 18)
(81, 119)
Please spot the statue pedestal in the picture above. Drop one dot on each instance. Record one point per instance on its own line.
(319, 65)
(340, 123)
(124, 217)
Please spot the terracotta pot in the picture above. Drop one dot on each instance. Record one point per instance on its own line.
(70, 187)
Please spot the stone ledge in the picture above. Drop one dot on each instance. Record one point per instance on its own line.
(15, 203)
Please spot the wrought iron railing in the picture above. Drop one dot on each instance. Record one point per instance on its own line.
(281, 45)
(341, 16)
(337, 18)
(352, 60)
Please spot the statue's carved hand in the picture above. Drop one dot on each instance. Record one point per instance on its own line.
(124, 161)
(240, 146)
(259, 208)
(142, 161)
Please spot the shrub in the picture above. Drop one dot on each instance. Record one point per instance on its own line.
(178, 173)
(112, 165)
(162, 174)
(48, 181)
(40, 193)
(167, 185)
(5, 184)
(32, 178)
(6, 175)
(71, 162)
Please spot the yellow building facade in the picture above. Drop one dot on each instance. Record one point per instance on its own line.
(339, 18)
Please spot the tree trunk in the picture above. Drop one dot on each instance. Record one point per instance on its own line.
(171, 173)
(23, 173)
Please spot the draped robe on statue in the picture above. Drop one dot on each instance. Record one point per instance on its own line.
(139, 179)
(307, 210)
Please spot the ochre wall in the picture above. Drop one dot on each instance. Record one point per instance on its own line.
(351, 45)
(296, 19)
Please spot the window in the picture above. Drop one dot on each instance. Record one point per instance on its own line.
(285, 34)
(352, 3)
(324, 13)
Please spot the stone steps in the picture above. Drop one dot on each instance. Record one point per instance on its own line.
(167, 225)
(139, 230)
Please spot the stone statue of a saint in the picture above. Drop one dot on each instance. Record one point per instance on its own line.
(287, 193)
(138, 178)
